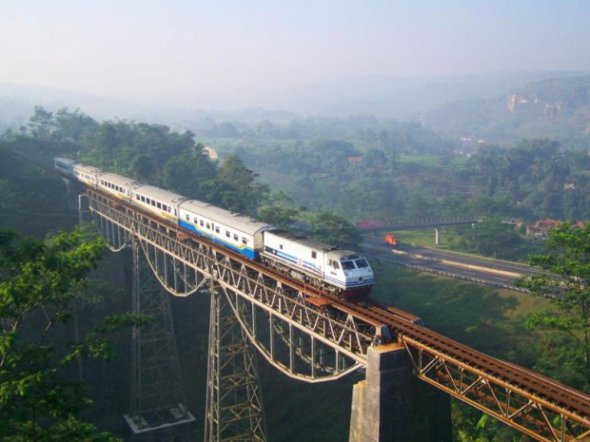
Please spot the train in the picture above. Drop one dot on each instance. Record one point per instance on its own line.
(345, 273)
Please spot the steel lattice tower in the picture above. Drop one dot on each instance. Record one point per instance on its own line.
(234, 405)
(157, 395)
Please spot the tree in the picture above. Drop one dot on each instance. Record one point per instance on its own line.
(189, 172)
(41, 123)
(492, 237)
(334, 229)
(278, 216)
(142, 167)
(567, 254)
(39, 281)
(236, 188)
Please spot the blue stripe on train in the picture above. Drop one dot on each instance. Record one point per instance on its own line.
(365, 281)
(246, 251)
(292, 259)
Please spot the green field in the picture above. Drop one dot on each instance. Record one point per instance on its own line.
(448, 239)
(488, 319)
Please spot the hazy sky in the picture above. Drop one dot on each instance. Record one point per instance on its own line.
(197, 51)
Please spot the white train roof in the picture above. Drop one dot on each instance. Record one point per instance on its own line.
(87, 169)
(119, 180)
(308, 242)
(241, 222)
(64, 160)
(164, 196)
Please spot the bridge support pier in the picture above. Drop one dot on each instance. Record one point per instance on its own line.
(157, 412)
(380, 403)
(437, 235)
(390, 405)
(234, 405)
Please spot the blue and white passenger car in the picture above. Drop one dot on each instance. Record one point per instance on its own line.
(158, 201)
(237, 232)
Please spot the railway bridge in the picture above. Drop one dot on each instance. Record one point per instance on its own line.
(305, 334)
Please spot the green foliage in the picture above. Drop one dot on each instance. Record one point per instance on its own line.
(39, 282)
(334, 229)
(536, 178)
(189, 173)
(492, 237)
(281, 217)
(236, 187)
(567, 327)
(150, 153)
(23, 187)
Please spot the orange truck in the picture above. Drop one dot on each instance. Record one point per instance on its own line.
(390, 239)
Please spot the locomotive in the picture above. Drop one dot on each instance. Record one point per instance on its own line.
(340, 271)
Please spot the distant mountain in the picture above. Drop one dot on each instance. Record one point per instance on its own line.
(557, 108)
(18, 101)
(401, 98)
(499, 108)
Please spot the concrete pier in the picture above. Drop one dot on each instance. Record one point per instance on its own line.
(391, 405)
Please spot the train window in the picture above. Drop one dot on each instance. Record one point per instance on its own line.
(216, 229)
(334, 264)
(187, 216)
(175, 212)
(195, 220)
(361, 263)
(227, 233)
(348, 265)
(314, 254)
(159, 205)
(244, 240)
(142, 198)
(137, 197)
(235, 237)
(281, 246)
(202, 223)
(154, 203)
(208, 226)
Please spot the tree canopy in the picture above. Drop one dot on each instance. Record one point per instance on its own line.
(39, 283)
(567, 342)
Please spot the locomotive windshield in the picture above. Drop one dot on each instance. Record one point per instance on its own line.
(348, 265)
(361, 263)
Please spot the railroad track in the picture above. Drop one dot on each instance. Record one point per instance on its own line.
(547, 392)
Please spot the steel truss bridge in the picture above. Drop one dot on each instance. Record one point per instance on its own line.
(312, 336)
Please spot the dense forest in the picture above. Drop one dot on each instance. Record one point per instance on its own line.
(320, 180)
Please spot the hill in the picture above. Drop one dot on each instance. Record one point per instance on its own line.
(557, 108)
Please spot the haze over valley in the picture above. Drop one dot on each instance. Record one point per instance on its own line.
(441, 148)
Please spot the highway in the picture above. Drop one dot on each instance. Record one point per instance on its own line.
(456, 265)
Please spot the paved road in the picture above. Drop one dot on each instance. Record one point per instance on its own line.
(479, 270)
